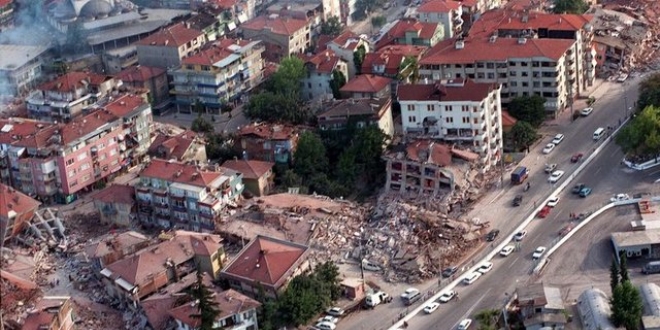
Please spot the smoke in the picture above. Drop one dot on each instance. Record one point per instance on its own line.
(29, 26)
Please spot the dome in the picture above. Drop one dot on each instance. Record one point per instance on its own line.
(96, 8)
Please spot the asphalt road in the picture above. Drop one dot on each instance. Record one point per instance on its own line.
(605, 175)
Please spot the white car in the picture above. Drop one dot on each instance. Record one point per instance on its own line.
(553, 201)
(520, 235)
(555, 176)
(586, 111)
(447, 296)
(335, 311)
(465, 324)
(620, 198)
(430, 308)
(558, 138)
(507, 250)
(328, 318)
(485, 267)
(538, 252)
(325, 326)
(549, 148)
(409, 292)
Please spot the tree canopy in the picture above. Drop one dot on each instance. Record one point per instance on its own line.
(310, 156)
(570, 7)
(201, 125)
(627, 306)
(528, 108)
(337, 82)
(378, 21)
(523, 135)
(205, 300)
(358, 58)
(649, 92)
(642, 135)
(332, 27)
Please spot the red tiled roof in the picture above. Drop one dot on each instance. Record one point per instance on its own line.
(71, 81)
(480, 49)
(169, 147)
(269, 131)
(179, 172)
(230, 303)
(226, 4)
(16, 201)
(366, 83)
(17, 281)
(125, 104)
(110, 243)
(507, 119)
(323, 62)
(251, 169)
(439, 6)
(277, 25)
(139, 73)
(81, 126)
(116, 193)
(322, 42)
(506, 19)
(156, 309)
(26, 132)
(347, 40)
(266, 260)
(391, 56)
(399, 30)
(172, 36)
(469, 91)
(5, 2)
(215, 52)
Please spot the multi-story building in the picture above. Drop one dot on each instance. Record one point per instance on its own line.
(183, 147)
(388, 60)
(20, 68)
(237, 312)
(522, 66)
(116, 60)
(337, 115)
(321, 69)
(16, 210)
(136, 117)
(116, 205)
(109, 248)
(165, 48)
(412, 32)
(581, 56)
(446, 12)
(310, 11)
(52, 313)
(268, 142)
(367, 86)
(65, 97)
(347, 8)
(219, 73)
(345, 46)
(177, 195)
(258, 176)
(6, 15)
(457, 111)
(282, 36)
(147, 78)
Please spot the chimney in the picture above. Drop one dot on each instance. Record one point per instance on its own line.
(460, 44)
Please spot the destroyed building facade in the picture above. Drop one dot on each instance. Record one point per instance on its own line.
(51, 313)
(116, 205)
(16, 210)
(182, 147)
(237, 312)
(258, 176)
(268, 142)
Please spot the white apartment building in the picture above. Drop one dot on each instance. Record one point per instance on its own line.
(458, 111)
(320, 73)
(345, 46)
(522, 66)
(445, 12)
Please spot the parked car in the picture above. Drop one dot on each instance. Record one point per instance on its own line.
(577, 188)
(555, 176)
(520, 235)
(325, 326)
(449, 271)
(544, 212)
(517, 200)
(553, 201)
(447, 296)
(558, 138)
(586, 191)
(586, 111)
(492, 235)
(507, 250)
(465, 324)
(538, 252)
(576, 157)
(471, 278)
(620, 198)
(409, 292)
(549, 168)
(328, 318)
(548, 148)
(335, 311)
(430, 308)
(485, 267)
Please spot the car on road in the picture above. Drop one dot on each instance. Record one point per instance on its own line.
(507, 250)
(558, 138)
(576, 157)
(555, 176)
(408, 293)
(586, 191)
(492, 235)
(577, 188)
(335, 311)
(464, 325)
(325, 326)
(548, 148)
(485, 267)
(430, 308)
(471, 278)
(538, 252)
(586, 111)
(620, 198)
(553, 201)
(447, 296)
(549, 168)
(517, 200)
(544, 212)
(449, 271)
(328, 318)
(519, 236)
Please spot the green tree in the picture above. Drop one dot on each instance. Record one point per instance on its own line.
(488, 319)
(528, 108)
(523, 135)
(409, 70)
(570, 7)
(642, 135)
(614, 274)
(207, 306)
(276, 107)
(332, 27)
(347, 169)
(358, 58)
(201, 125)
(310, 158)
(627, 306)
(337, 82)
(649, 92)
(328, 273)
(623, 268)
(286, 80)
(220, 147)
(378, 21)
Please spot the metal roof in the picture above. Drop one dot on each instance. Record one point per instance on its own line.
(594, 308)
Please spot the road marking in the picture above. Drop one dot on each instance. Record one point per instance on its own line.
(473, 307)
(654, 172)
(558, 214)
(598, 170)
(497, 196)
(514, 262)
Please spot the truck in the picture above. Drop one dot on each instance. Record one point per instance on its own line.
(519, 175)
(374, 299)
(652, 267)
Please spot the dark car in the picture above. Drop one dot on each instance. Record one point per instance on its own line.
(492, 235)
(576, 158)
(584, 192)
(517, 200)
(578, 187)
(449, 271)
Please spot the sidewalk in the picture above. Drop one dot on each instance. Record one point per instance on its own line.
(565, 117)
(224, 122)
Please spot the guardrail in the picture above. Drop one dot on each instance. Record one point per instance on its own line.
(522, 226)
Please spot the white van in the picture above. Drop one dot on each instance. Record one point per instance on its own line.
(599, 133)
(471, 278)
(652, 267)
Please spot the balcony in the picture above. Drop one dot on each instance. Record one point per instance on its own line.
(178, 207)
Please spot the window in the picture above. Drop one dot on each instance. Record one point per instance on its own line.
(84, 167)
(514, 84)
(71, 173)
(449, 120)
(512, 73)
(481, 75)
(82, 156)
(491, 75)
(490, 65)
(411, 107)
(466, 120)
(430, 107)
(102, 157)
(73, 183)
(525, 84)
(465, 108)
(412, 119)
(86, 177)
(70, 162)
(449, 108)
(524, 74)
(100, 146)
(113, 152)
